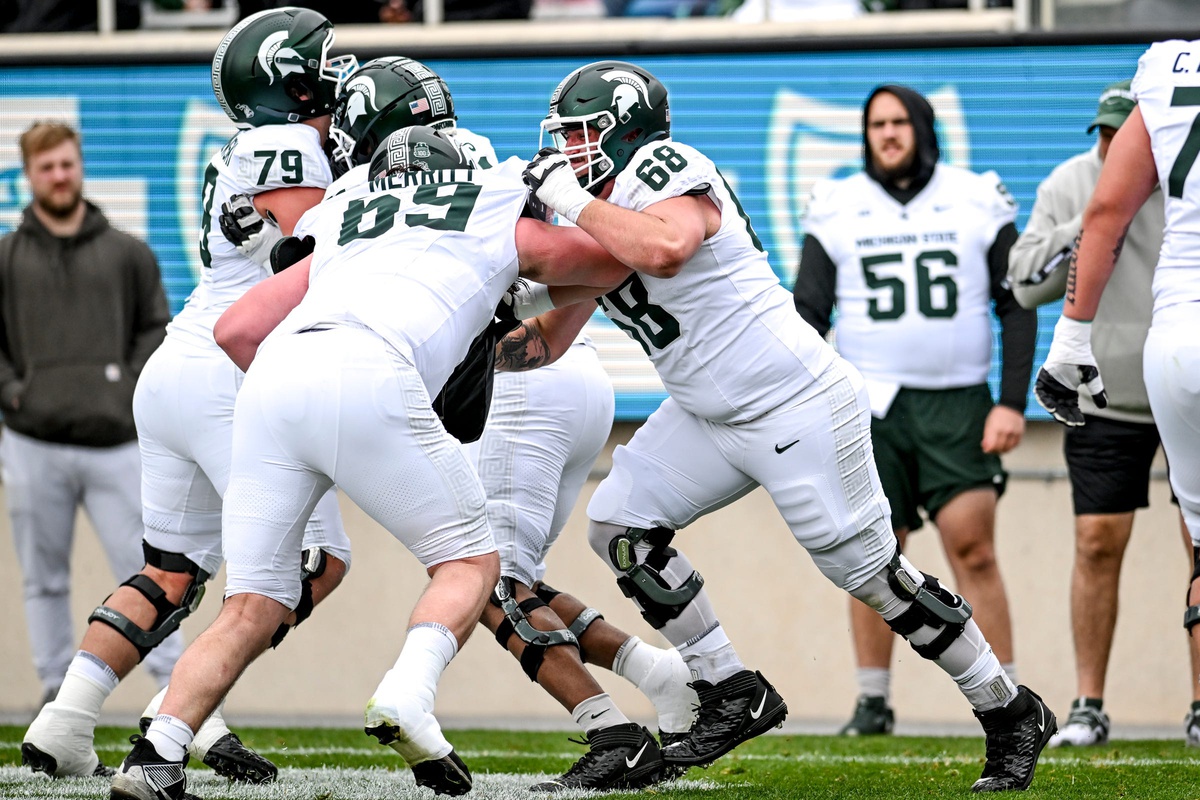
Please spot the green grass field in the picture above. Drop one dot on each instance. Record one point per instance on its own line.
(326, 764)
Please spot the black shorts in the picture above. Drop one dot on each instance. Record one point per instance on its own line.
(1109, 464)
(927, 450)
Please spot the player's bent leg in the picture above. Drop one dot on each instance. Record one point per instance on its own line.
(736, 704)
(938, 625)
(136, 618)
(619, 756)
(400, 713)
(202, 677)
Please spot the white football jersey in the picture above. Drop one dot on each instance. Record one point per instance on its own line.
(422, 259)
(1167, 88)
(913, 284)
(723, 333)
(255, 160)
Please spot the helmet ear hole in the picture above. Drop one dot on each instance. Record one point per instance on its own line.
(297, 89)
(632, 136)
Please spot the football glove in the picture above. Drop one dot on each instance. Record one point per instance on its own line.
(290, 249)
(1069, 365)
(251, 233)
(552, 180)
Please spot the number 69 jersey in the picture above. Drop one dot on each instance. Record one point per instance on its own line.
(723, 334)
(420, 258)
(254, 161)
(913, 283)
(1167, 88)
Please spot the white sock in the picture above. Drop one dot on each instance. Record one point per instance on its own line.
(428, 650)
(170, 736)
(710, 656)
(87, 684)
(597, 712)
(634, 660)
(874, 682)
(1010, 669)
(985, 684)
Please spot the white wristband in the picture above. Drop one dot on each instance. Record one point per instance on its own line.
(571, 206)
(531, 299)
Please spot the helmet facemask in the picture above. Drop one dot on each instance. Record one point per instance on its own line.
(596, 165)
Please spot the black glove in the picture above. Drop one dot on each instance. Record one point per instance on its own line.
(247, 230)
(289, 250)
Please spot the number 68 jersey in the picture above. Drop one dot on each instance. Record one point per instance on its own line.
(913, 282)
(254, 161)
(723, 334)
(420, 258)
(1167, 88)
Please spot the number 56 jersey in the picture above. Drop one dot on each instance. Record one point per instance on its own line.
(253, 161)
(420, 258)
(1167, 88)
(723, 333)
(913, 283)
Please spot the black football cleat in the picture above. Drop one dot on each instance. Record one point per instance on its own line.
(1016, 734)
(622, 756)
(738, 708)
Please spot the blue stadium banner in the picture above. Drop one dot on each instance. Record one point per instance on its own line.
(773, 122)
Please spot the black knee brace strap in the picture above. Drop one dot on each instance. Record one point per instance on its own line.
(586, 617)
(932, 605)
(312, 566)
(168, 615)
(644, 582)
(1191, 617)
(546, 592)
(516, 620)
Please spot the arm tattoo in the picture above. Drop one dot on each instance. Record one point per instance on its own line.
(523, 349)
(1074, 260)
(1072, 264)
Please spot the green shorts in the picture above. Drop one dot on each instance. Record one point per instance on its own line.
(928, 451)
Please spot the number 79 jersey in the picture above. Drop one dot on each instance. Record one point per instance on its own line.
(913, 281)
(723, 334)
(421, 259)
(254, 161)
(1167, 88)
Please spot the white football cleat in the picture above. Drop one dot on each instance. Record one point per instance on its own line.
(402, 723)
(668, 685)
(60, 743)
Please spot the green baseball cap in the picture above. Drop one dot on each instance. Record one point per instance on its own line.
(1116, 104)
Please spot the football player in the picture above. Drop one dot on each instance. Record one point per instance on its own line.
(914, 300)
(756, 398)
(1155, 146)
(273, 76)
(407, 269)
(542, 437)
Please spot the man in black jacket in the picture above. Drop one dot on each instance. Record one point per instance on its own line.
(914, 253)
(81, 309)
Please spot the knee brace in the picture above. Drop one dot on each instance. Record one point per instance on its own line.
(585, 618)
(169, 615)
(516, 620)
(644, 582)
(1191, 617)
(933, 606)
(312, 566)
